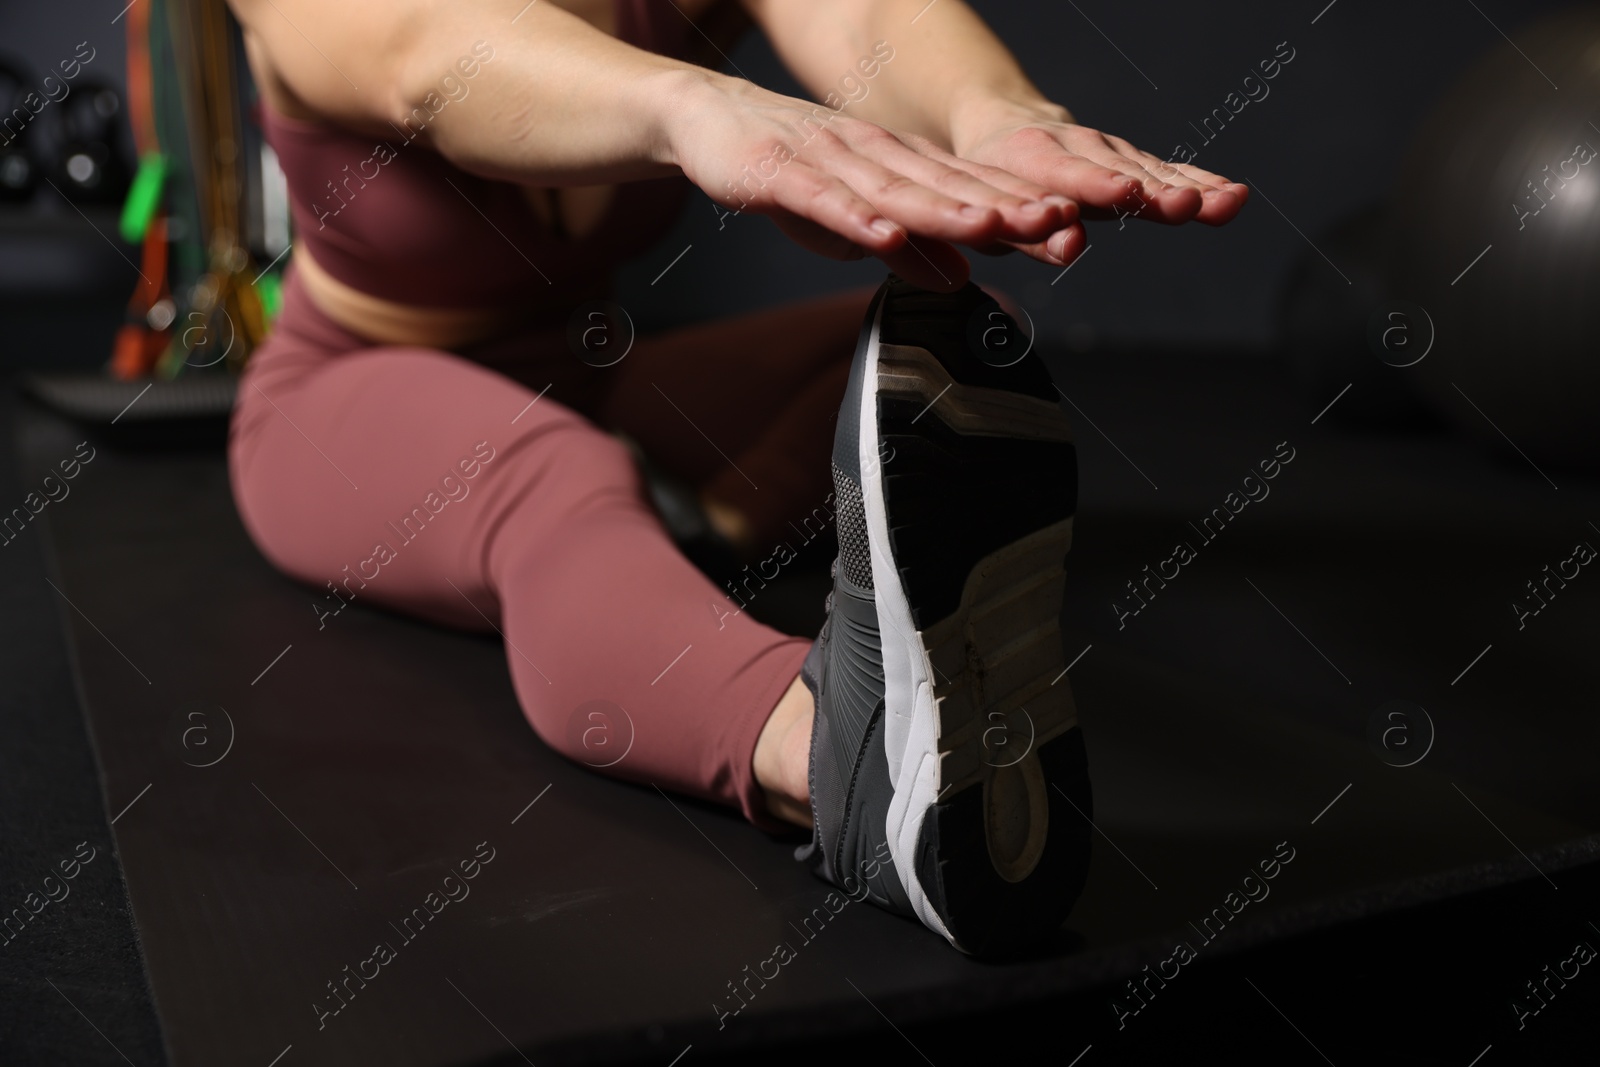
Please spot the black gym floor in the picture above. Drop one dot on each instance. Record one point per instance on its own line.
(285, 796)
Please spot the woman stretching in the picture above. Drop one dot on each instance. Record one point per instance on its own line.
(465, 176)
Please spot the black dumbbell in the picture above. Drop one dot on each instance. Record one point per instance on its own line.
(88, 166)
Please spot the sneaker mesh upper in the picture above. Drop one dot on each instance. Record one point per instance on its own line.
(855, 556)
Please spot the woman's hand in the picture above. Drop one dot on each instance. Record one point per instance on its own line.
(846, 188)
(1105, 175)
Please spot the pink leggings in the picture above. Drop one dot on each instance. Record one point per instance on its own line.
(424, 481)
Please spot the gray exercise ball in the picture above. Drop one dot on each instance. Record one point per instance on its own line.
(1496, 239)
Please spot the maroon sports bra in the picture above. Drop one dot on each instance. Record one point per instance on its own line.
(394, 219)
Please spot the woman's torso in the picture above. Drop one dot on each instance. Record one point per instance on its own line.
(397, 245)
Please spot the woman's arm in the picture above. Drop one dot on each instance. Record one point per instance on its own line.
(559, 102)
(544, 99)
(953, 82)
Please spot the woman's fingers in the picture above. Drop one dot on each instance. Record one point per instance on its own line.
(1164, 195)
(810, 200)
(809, 193)
(1100, 190)
(1028, 210)
(1221, 205)
(1173, 171)
(922, 195)
(866, 200)
(1085, 165)
(1221, 199)
(1060, 249)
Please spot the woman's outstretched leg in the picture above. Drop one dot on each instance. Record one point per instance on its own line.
(414, 479)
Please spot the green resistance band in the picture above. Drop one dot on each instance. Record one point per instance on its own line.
(144, 197)
(270, 288)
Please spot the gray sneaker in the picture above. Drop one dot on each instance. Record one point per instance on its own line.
(948, 779)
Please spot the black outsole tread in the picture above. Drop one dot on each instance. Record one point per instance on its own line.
(952, 500)
(985, 914)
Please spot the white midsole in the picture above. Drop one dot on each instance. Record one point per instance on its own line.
(911, 731)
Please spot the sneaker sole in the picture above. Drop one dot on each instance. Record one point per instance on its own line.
(969, 487)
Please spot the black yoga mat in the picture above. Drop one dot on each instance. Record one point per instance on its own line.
(72, 986)
(294, 801)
